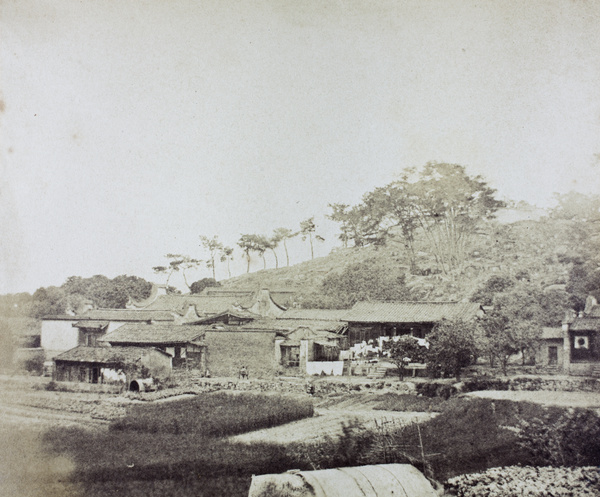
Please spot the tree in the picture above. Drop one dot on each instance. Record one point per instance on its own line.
(358, 224)
(246, 243)
(177, 262)
(525, 309)
(254, 243)
(494, 285)
(584, 280)
(449, 205)
(452, 347)
(261, 245)
(496, 340)
(367, 280)
(48, 301)
(441, 202)
(392, 208)
(403, 350)
(307, 229)
(576, 206)
(213, 246)
(198, 286)
(226, 255)
(273, 243)
(284, 234)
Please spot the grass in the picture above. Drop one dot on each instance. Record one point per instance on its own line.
(471, 435)
(215, 414)
(135, 463)
(411, 403)
(178, 448)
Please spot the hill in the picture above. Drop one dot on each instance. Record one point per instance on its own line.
(540, 251)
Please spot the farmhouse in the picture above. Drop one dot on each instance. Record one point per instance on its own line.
(111, 364)
(184, 343)
(581, 340)
(63, 332)
(550, 354)
(371, 320)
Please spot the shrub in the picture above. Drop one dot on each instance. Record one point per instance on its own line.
(571, 440)
(412, 403)
(479, 384)
(215, 414)
(451, 348)
(51, 386)
(34, 364)
(354, 447)
(530, 481)
(436, 389)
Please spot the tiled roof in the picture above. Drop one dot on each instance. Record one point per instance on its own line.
(115, 315)
(281, 325)
(281, 297)
(128, 315)
(305, 333)
(552, 333)
(410, 312)
(98, 325)
(315, 314)
(103, 355)
(226, 292)
(594, 312)
(205, 304)
(239, 314)
(314, 324)
(585, 324)
(153, 334)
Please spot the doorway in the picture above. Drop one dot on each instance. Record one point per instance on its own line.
(552, 355)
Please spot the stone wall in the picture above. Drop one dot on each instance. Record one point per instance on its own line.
(228, 351)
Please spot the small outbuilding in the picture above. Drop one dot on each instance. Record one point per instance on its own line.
(382, 480)
(111, 364)
(550, 353)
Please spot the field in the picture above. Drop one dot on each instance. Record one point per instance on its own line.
(211, 444)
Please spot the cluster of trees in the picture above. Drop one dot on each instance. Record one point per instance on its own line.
(366, 280)
(440, 202)
(250, 244)
(260, 244)
(102, 291)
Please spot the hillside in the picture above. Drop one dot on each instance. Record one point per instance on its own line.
(538, 250)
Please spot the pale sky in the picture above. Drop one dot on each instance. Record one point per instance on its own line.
(129, 128)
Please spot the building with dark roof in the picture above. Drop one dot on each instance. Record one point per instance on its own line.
(371, 320)
(111, 364)
(214, 301)
(184, 343)
(581, 340)
(64, 332)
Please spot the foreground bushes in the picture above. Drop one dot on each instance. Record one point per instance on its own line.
(469, 435)
(527, 481)
(572, 439)
(411, 403)
(215, 414)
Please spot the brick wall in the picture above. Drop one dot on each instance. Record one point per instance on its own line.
(228, 351)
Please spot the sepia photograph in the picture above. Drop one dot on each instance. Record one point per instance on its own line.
(322, 248)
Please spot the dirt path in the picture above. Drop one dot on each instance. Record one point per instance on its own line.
(590, 400)
(329, 422)
(27, 416)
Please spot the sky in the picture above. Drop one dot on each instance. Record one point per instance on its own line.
(130, 128)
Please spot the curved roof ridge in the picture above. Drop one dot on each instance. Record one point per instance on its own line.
(140, 304)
